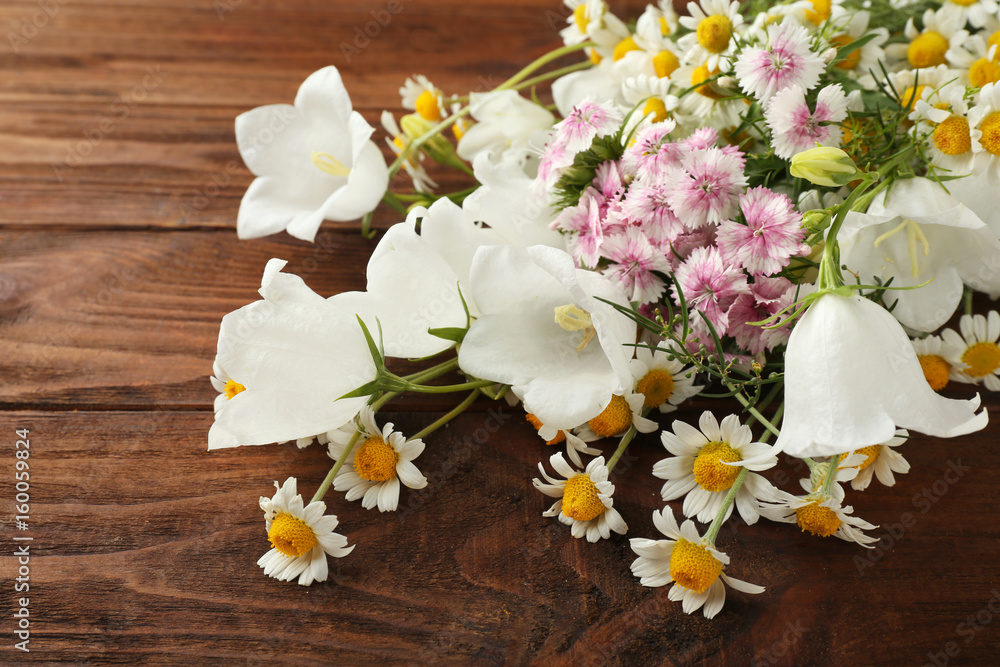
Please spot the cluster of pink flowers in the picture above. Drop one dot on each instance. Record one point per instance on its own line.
(680, 212)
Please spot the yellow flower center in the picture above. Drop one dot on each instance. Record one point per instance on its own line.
(614, 420)
(657, 386)
(927, 50)
(964, 3)
(871, 453)
(665, 62)
(580, 499)
(990, 139)
(291, 536)
(818, 520)
(376, 461)
(994, 40)
(710, 469)
(981, 359)
(936, 370)
(693, 566)
(911, 95)
(664, 26)
(580, 17)
(698, 78)
(427, 106)
(983, 71)
(460, 127)
(852, 59)
(714, 33)
(537, 423)
(820, 11)
(329, 164)
(655, 106)
(951, 136)
(232, 388)
(623, 47)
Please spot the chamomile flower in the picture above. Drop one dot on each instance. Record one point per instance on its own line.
(851, 28)
(984, 118)
(882, 460)
(976, 12)
(821, 514)
(690, 562)
(380, 460)
(931, 355)
(943, 114)
(575, 445)
(584, 499)
(397, 142)
(592, 20)
(622, 413)
(662, 380)
(929, 47)
(701, 471)
(713, 24)
(420, 95)
(302, 536)
(975, 355)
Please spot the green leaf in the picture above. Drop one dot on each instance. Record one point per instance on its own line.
(455, 334)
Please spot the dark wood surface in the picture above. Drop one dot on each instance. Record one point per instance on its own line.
(118, 258)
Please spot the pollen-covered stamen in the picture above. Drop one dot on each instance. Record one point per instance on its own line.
(623, 47)
(981, 359)
(820, 12)
(710, 469)
(818, 520)
(927, 49)
(853, 58)
(329, 164)
(232, 388)
(580, 17)
(714, 33)
(573, 318)
(657, 386)
(693, 566)
(990, 139)
(580, 499)
(655, 106)
(614, 419)
(914, 235)
(936, 370)
(870, 454)
(700, 80)
(291, 535)
(983, 71)
(951, 136)
(664, 63)
(427, 106)
(376, 461)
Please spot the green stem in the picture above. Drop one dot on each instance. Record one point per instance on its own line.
(459, 409)
(325, 486)
(541, 62)
(554, 74)
(420, 376)
(392, 200)
(756, 413)
(830, 277)
(449, 388)
(831, 474)
(622, 446)
(713, 530)
(968, 301)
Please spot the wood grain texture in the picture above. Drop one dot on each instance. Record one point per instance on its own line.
(114, 274)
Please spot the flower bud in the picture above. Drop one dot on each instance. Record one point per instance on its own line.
(816, 220)
(824, 165)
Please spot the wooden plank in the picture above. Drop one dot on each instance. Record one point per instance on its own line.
(166, 571)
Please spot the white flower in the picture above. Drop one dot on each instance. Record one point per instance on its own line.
(505, 121)
(290, 357)
(397, 142)
(313, 160)
(882, 460)
(703, 467)
(690, 562)
(575, 445)
(623, 412)
(984, 119)
(821, 514)
(301, 535)
(916, 233)
(420, 95)
(975, 354)
(376, 465)
(584, 499)
(543, 331)
(852, 377)
(713, 25)
(662, 380)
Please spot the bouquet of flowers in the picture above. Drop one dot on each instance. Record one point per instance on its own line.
(777, 204)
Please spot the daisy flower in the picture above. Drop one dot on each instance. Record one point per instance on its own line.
(635, 262)
(700, 467)
(865, 59)
(375, 467)
(975, 355)
(301, 535)
(821, 514)
(397, 142)
(794, 128)
(787, 61)
(622, 413)
(931, 355)
(943, 114)
(706, 191)
(976, 12)
(984, 118)
(575, 445)
(709, 285)
(420, 95)
(713, 25)
(927, 48)
(591, 20)
(976, 57)
(662, 380)
(584, 499)
(690, 562)
(771, 236)
(882, 460)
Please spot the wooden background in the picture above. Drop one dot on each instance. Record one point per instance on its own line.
(119, 186)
